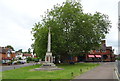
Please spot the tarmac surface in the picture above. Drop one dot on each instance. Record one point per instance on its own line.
(4, 68)
(103, 72)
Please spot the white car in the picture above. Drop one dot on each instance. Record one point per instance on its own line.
(22, 61)
(14, 62)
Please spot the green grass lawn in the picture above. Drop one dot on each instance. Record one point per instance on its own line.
(0, 75)
(26, 73)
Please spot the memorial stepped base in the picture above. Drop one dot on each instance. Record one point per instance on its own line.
(48, 67)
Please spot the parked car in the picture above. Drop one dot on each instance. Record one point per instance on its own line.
(14, 62)
(22, 61)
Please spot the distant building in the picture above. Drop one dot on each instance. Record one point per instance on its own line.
(23, 56)
(6, 54)
(19, 55)
(26, 55)
(105, 53)
(102, 54)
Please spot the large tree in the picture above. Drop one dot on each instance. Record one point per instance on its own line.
(73, 31)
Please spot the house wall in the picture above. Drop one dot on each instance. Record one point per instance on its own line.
(107, 53)
(6, 55)
(100, 52)
(0, 56)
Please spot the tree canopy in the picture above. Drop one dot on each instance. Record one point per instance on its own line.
(9, 46)
(73, 31)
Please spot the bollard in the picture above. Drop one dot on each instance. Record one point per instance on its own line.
(14, 67)
(114, 69)
(72, 74)
(80, 70)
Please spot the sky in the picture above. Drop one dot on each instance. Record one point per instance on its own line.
(17, 18)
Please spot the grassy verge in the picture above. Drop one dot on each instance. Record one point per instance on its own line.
(0, 76)
(0, 72)
(26, 73)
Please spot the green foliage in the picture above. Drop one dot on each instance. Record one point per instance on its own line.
(29, 59)
(118, 58)
(33, 59)
(20, 58)
(73, 32)
(29, 50)
(36, 59)
(9, 46)
(18, 62)
(20, 50)
(9, 63)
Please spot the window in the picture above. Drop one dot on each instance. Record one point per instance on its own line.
(97, 50)
(103, 50)
(3, 61)
(8, 55)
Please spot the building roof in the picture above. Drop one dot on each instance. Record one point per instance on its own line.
(7, 58)
(27, 54)
(4, 50)
(109, 47)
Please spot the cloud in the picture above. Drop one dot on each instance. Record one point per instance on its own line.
(16, 36)
(17, 17)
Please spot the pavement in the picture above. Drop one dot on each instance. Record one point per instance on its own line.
(103, 72)
(118, 66)
(4, 68)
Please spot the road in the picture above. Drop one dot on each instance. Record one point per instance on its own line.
(4, 68)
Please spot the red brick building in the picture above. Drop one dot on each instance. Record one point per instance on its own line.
(6, 54)
(105, 53)
(101, 54)
(27, 55)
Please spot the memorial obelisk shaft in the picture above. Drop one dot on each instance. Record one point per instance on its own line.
(49, 41)
(49, 57)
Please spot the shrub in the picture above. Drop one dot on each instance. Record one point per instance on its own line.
(29, 59)
(118, 58)
(9, 63)
(18, 62)
(36, 59)
(20, 58)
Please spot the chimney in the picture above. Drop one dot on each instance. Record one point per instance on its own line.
(103, 44)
